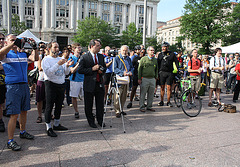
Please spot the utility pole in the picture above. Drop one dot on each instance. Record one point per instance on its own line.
(9, 11)
(144, 23)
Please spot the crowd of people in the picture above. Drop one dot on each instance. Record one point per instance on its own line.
(75, 75)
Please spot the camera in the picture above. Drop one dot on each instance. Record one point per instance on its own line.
(20, 42)
(112, 53)
(101, 68)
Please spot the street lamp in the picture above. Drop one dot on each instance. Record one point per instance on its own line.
(144, 22)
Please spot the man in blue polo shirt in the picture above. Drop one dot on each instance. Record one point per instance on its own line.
(18, 95)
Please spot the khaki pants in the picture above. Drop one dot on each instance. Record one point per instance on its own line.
(122, 95)
(147, 86)
(217, 80)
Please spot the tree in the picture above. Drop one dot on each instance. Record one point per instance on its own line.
(17, 26)
(233, 29)
(152, 41)
(131, 36)
(204, 21)
(95, 28)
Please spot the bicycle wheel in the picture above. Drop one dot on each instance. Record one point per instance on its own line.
(177, 95)
(191, 103)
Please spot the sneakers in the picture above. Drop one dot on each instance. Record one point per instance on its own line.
(136, 99)
(70, 105)
(234, 101)
(51, 133)
(161, 103)
(129, 105)
(169, 104)
(59, 127)
(2, 126)
(76, 114)
(26, 135)
(14, 146)
(155, 95)
(39, 120)
(118, 115)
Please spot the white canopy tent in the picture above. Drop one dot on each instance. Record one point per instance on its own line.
(232, 48)
(28, 34)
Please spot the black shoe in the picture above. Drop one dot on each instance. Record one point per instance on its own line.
(59, 127)
(161, 103)
(76, 114)
(26, 135)
(93, 125)
(169, 104)
(100, 124)
(17, 124)
(14, 146)
(123, 113)
(155, 95)
(118, 115)
(51, 133)
(234, 101)
(129, 105)
(136, 99)
(2, 126)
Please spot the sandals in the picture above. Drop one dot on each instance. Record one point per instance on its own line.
(39, 120)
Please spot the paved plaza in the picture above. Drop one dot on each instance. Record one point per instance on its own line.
(166, 137)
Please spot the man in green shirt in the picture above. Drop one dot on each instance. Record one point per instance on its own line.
(147, 75)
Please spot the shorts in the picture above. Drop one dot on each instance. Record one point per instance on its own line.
(17, 98)
(76, 88)
(3, 91)
(217, 80)
(196, 83)
(166, 77)
(40, 91)
(107, 78)
(135, 80)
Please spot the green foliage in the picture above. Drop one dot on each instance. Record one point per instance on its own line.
(17, 26)
(131, 36)
(95, 28)
(233, 29)
(204, 21)
(152, 41)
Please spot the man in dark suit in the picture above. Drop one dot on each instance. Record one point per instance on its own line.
(93, 67)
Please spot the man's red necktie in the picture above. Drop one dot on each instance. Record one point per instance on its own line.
(96, 62)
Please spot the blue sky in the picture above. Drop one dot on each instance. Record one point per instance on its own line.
(171, 9)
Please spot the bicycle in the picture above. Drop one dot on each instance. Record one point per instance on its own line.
(186, 98)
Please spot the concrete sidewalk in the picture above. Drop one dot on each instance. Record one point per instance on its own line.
(166, 137)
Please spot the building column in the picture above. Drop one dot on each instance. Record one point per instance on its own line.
(5, 15)
(154, 19)
(86, 11)
(132, 13)
(149, 20)
(21, 10)
(99, 9)
(46, 13)
(124, 17)
(37, 14)
(72, 15)
(79, 9)
(137, 17)
(112, 12)
(53, 13)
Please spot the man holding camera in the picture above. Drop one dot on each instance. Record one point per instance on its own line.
(15, 67)
(93, 67)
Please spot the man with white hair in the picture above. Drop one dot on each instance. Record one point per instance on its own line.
(122, 67)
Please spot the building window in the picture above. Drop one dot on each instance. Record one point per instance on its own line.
(141, 29)
(117, 29)
(67, 2)
(118, 18)
(105, 17)
(127, 8)
(57, 2)
(40, 24)
(92, 14)
(141, 10)
(29, 11)
(106, 6)
(0, 8)
(40, 11)
(29, 24)
(118, 7)
(62, 13)
(169, 32)
(141, 20)
(127, 19)
(33, 11)
(13, 9)
(57, 12)
(57, 23)
(62, 2)
(92, 5)
(82, 4)
(82, 15)
(67, 13)
(66, 24)
(40, 2)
